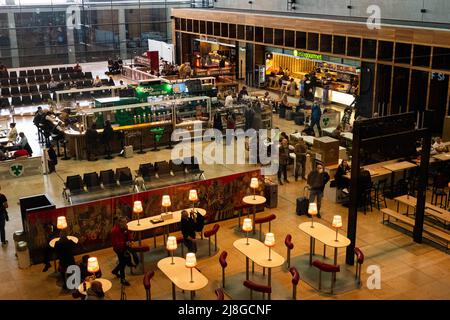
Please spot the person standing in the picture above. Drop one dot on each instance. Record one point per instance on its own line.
(300, 158)
(316, 114)
(229, 100)
(64, 248)
(108, 135)
(120, 242)
(52, 158)
(91, 142)
(50, 233)
(188, 231)
(3, 217)
(12, 135)
(284, 160)
(317, 179)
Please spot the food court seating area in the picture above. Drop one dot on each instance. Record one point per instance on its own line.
(93, 185)
(27, 87)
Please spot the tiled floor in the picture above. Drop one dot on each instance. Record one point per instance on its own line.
(408, 270)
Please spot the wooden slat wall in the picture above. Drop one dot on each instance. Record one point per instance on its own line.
(293, 64)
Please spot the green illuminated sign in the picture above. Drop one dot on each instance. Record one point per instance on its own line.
(307, 55)
(143, 92)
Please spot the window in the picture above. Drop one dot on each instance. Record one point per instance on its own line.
(268, 35)
(325, 42)
(183, 24)
(209, 28)
(339, 45)
(259, 34)
(232, 31)
(195, 26)
(313, 41)
(217, 28)
(385, 50)
(177, 23)
(421, 56)
(189, 25)
(353, 47)
(403, 53)
(369, 49)
(249, 33)
(241, 32)
(441, 58)
(202, 26)
(300, 40)
(289, 38)
(279, 37)
(224, 28)
(400, 90)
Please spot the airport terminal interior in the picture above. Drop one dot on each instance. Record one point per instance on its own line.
(224, 150)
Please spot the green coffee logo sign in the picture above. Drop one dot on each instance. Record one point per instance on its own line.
(307, 55)
(153, 90)
(16, 170)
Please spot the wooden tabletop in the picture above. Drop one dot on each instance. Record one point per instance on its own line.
(146, 224)
(254, 200)
(374, 172)
(324, 234)
(106, 285)
(442, 156)
(180, 275)
(258, 253)
(399, 166)
(430, 209)
(53, 241)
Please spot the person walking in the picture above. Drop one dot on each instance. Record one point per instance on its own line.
(300, 158)
(121, 238)
(317, 179)
(64, 248)
(108, 135)
(188, 231)
(316, 114)
(91, 142)
(284, 160)
(3, 217)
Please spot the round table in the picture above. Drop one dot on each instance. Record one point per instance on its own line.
(53, 241)
(106, 285)
(253, 200)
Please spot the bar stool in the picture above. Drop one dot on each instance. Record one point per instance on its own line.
(208, 234)
(295, 280)
(262, 220)
(359, 261)
(180, 241)
(219, 293)
(289, 246)
(147, 284)
(140, 249)
(325, 267)
(253, 286)
(223, 264)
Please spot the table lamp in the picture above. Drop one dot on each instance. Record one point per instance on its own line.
(137, 209)
(247, 226)
(166, 202)
(312, 210)
(191, 262)
(92, 266)
(337, 223)
(193, 197)
(269, 241)
(61, 223)
(254, 185)
(171, 245)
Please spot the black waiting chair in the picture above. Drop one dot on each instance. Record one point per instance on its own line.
(13, 82)
(162, 168)
(15, 91)
(70, 69)
(55, 71)
(4, 103)
(48, 78)
(46, 96)
(123, 175)
(4, 82)
(87, 83)
(74, 184)
(62, 70)
(92, 181)
(36, 98)
(31, 80)
(12, 74)
(88, 75)
(22, 73)
(26, 100)
(147, 171)
(5, 92)
(193, 167)
(40, 79)
(43, 88)
(24, 90)
(65, 77)
(33, 89)
(16, 101)
(379, 193)
(177, 167)
(38, 72)
(30, 73)
(45, 71)
(22, 81)
(107, 178)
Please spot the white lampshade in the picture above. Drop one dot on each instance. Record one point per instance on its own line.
(269, 241)
(191, 260)
(166, 201)
(171, 244)
(92, 265)
(312, 209)
(337, 222)
(137, 207)
(193, 195)
(247, 225)
(61, 223)
(254, 183)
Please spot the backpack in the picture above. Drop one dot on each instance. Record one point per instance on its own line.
(200, 223)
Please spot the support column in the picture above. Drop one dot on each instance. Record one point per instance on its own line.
(122, 33)
(13, 41)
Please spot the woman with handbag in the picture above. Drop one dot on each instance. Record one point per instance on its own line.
(3, 217)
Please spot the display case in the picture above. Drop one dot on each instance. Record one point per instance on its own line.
(192, 114)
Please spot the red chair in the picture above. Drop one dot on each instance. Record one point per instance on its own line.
(359, 261)
(140, 249)
(223, 264)
(219, 293)
(208, 234)
(262, 220)
(180, 242)
(325, 267)
(289, 246)
(295, 280)
(253, 286)
(147, 283)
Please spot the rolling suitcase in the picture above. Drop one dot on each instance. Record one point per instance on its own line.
(271, 194)
(289, 115)
(303, 203)
(299, 118)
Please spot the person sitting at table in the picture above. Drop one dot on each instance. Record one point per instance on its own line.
(342, 183)
(188, 231)
(64, 249)
(23, 144)
(97, 81)
(95, 291)
(52, 85)
(12, 135)
(292, 88)
(308, 131)
(111, 81)
(77, 68)
(438, 146)
(337, 132)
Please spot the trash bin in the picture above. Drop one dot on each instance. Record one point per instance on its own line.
(23, 255)
(18, 236)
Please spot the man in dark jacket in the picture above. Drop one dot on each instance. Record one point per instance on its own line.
(108, 136)
(91, 142)
(120, 241)
(52, 159)
(284, 160)
(64, 248)
(317, 179)
(300, 158)
(316, 114)
(188, 231)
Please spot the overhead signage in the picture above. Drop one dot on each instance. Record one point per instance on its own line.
(307, 55)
